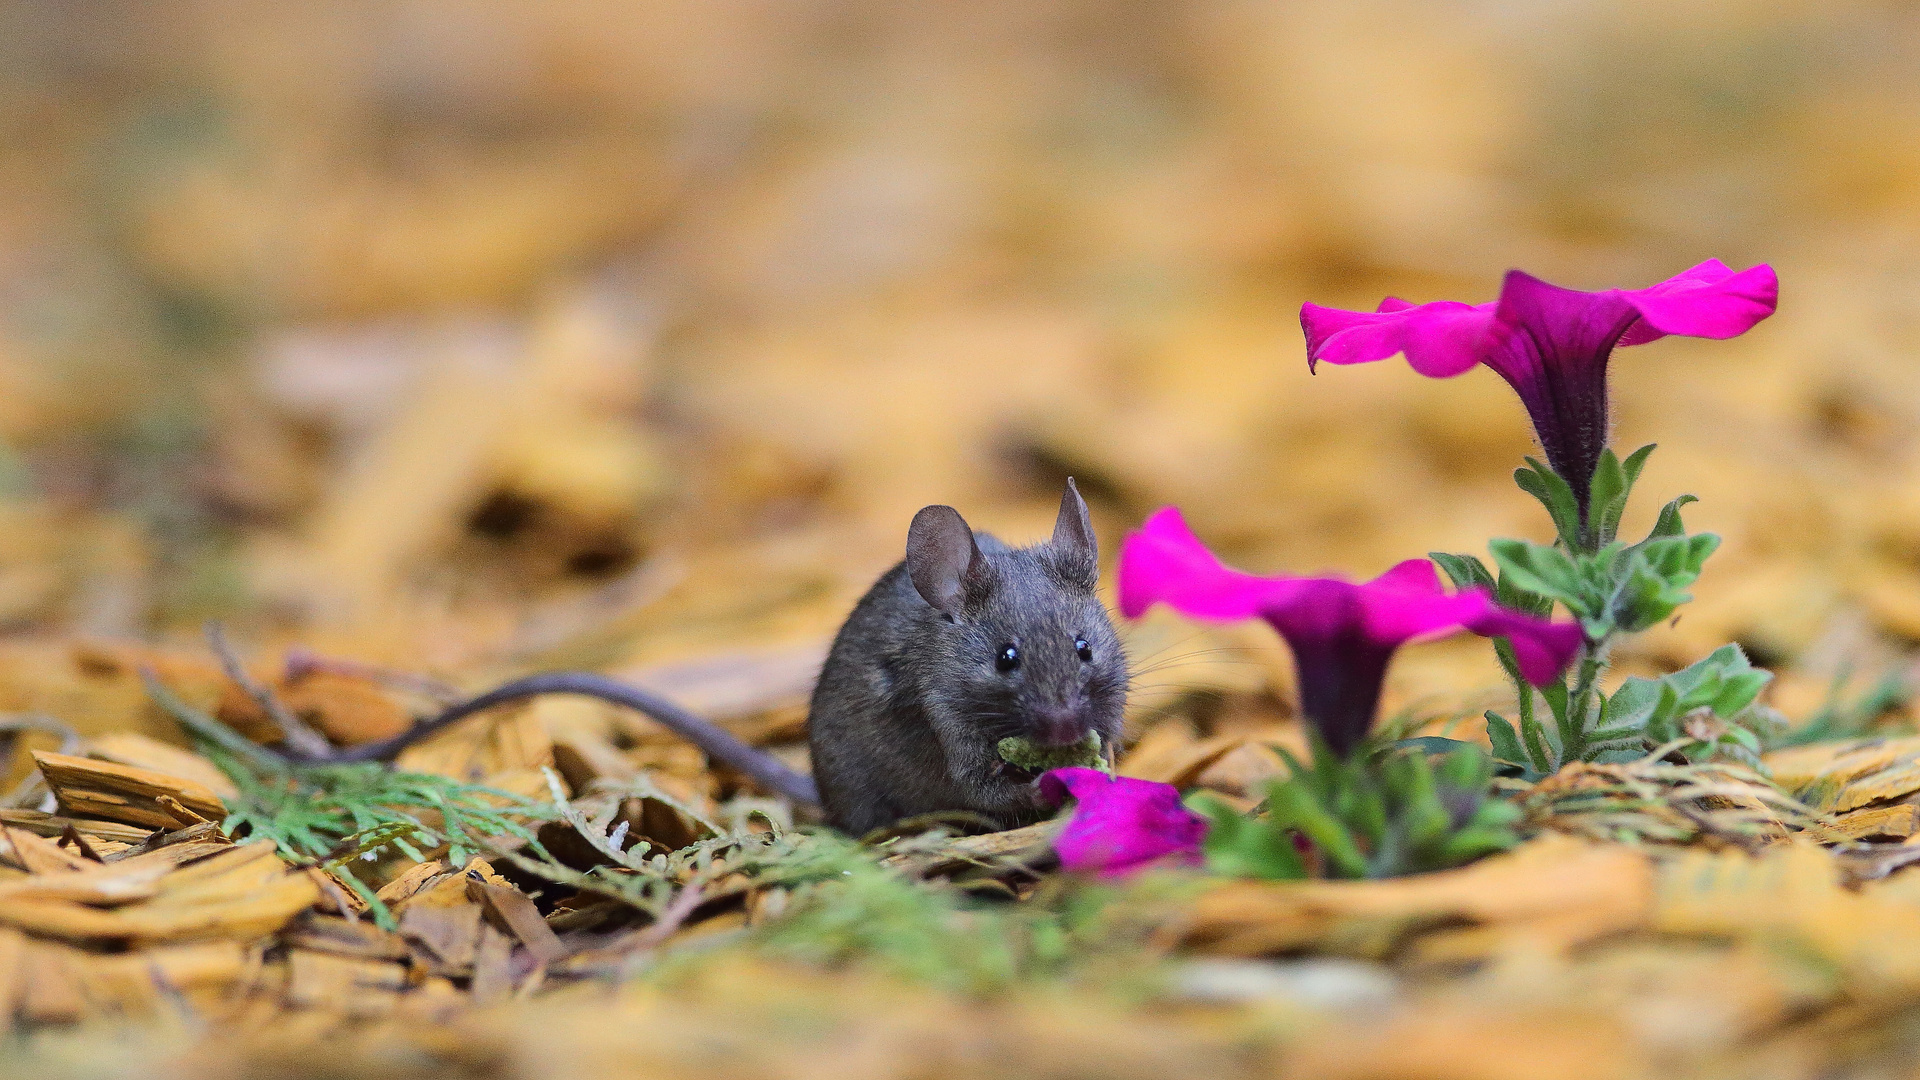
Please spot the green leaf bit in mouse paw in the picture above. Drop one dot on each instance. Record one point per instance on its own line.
(1025, 754)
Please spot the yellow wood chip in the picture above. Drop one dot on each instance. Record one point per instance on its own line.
(22, 849)
(1798, 766)
(1171, 762)
(239, 893)
(518, 913)
(417, 877)
(50, 990)
(449, 932)
(344, 938)
(1895, 782)
(1792, 893)
(1564, 890)
(125, 793)
(13, 947)
(1900, 820)
(103, 884)
(52, 825)
(140, 751)
(353, 986)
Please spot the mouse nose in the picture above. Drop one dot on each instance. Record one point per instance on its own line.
(1058, 725)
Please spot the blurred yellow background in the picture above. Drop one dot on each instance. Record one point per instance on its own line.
(511, 333)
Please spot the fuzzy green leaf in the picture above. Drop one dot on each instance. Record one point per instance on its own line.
(1555, 494)
(1654, 578)
(1294, 806)
(1504, 739)
(1544, 571)
(1613, 482)
(1465, 571)
(1237, 845)
(1669, 523)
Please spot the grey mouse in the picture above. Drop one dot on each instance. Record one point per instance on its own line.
(964, 643)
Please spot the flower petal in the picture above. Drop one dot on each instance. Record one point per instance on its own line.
(1163, 562)
(1543, 649)
(1408, 602)
(1552, 345)
(1342, 634)
(1415, 577)
(1059, 785)
(1122, 824)
(1440, 340)
(1707, 301)
(1339, 664)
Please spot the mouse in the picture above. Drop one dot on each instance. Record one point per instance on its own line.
(965, 642)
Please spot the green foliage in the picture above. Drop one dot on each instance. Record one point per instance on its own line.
(1399, 810)
(1706, 711)
(1617, 589)
(1527, 748)
(1708, 707)
(1668, 523)
(313, 812)
(1613, 482)
(1556, 495)
(1467, 571)
(938, 933)
(851, 902)
(1840, 718)
(1026, 754)
(337, 815)
(650, 880)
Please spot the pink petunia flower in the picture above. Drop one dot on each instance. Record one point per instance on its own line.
(1342, 634)
(1122, 824)
(1550, 344)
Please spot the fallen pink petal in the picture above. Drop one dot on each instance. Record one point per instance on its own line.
(1551, 344)
(1343, 634)
(1121, 824)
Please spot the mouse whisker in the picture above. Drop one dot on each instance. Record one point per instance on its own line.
(1216, 650)
(1189, 661)
(1171, 645)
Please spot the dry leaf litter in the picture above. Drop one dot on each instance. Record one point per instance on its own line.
(425, 345)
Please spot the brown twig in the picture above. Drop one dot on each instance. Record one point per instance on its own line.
(304, 743)
(15, 725)
(675, 913)
(302, 662)
(72, 836)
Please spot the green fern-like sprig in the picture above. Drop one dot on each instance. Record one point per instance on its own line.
(336, 815)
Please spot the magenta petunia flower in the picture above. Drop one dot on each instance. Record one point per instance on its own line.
(1342, 634)
(1550, 344)
(1122, 824)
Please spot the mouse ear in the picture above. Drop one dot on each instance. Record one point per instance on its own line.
(942, 558)
(1078, 553)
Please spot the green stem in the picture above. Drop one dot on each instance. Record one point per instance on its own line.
(1575, 725)
(1534, 738)
(1531, 737)
(262, 760)
(1586, 540)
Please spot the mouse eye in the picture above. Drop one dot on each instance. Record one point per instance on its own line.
(1085, 650)
(1008, 660)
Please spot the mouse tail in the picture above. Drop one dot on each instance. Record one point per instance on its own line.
(762, 768)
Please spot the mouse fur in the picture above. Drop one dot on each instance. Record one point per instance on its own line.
(918, 689)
